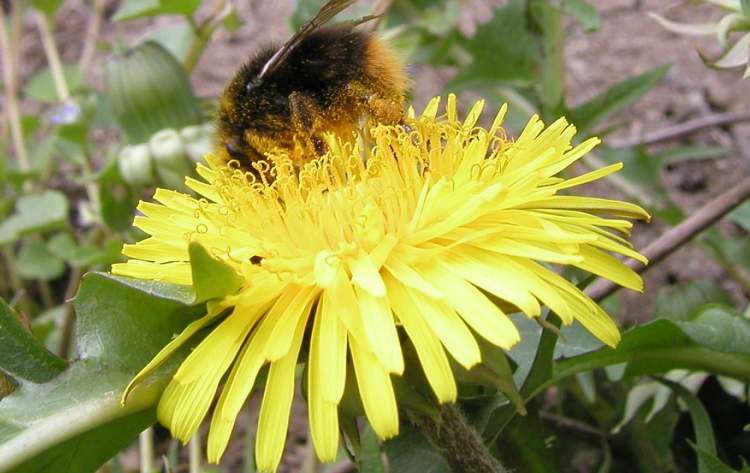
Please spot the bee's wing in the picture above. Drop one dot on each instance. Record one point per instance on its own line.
(324, 15)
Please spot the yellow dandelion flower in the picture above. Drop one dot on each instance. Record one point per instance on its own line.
(410, 234)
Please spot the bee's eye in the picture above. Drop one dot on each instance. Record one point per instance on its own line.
(233, 150)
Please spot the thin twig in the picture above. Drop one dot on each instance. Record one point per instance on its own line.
(573, 424)
(53, 57)
(673, 239)
(92, 35)
(11, 100)
(682, 129)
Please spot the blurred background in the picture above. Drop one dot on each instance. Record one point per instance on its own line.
(104, 100)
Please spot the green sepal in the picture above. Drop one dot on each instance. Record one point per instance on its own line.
(212, 279)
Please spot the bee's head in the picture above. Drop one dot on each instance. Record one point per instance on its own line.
(250, 109)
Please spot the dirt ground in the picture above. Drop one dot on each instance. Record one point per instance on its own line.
(628, 43)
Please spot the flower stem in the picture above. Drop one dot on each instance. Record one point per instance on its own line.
(195, 450)
(457, 441)
(146, 444)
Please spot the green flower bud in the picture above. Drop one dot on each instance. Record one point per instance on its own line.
(198, 141)
(170, 159)
(135, 165)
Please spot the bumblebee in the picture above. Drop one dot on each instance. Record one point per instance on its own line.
(325, 78)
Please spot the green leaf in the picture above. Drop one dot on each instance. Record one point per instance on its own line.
(584, 13)
(21, 355)
(35, 261)
(212, 279)
(504, 50)
(681, 301)
(540, 371)
(132, 9)
(49, 7)
(175, 38)
(75, 422)
(745, 8)
(41, 87)
(410, 452)
(659, 346)
(370, 462)
(615, 98)
(35, 213)
(720, 328)
(704, 432)
(709, 461)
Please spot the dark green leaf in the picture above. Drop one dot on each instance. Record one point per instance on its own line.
(660, 346)
(704, 432)
(132, 336)
(681, 301)
(541, 370)
(720, 328)
(75, 422)
(410, 452)
(212, 279)
(41, 87)
(35, 261)
(710, 463)
(371, 462)
(21, 355)
(615, 98)
(503, 49)
(584, 13)
(35, 213)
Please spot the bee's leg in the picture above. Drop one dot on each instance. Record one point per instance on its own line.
(305, 120)
(380, 108)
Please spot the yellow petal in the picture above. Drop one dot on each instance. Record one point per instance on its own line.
(169, 349)
(381, 331)
(468, 264)
(429, 350)
(365, 274)
(332, 349)
(376, 391)
(450, 329)
(482, 315)
(607, 266)
(273, 420)
(323, 414)
(237, 388)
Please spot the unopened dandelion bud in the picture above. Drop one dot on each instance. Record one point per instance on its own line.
(134, 162)
(170, 158)
(198, 141)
